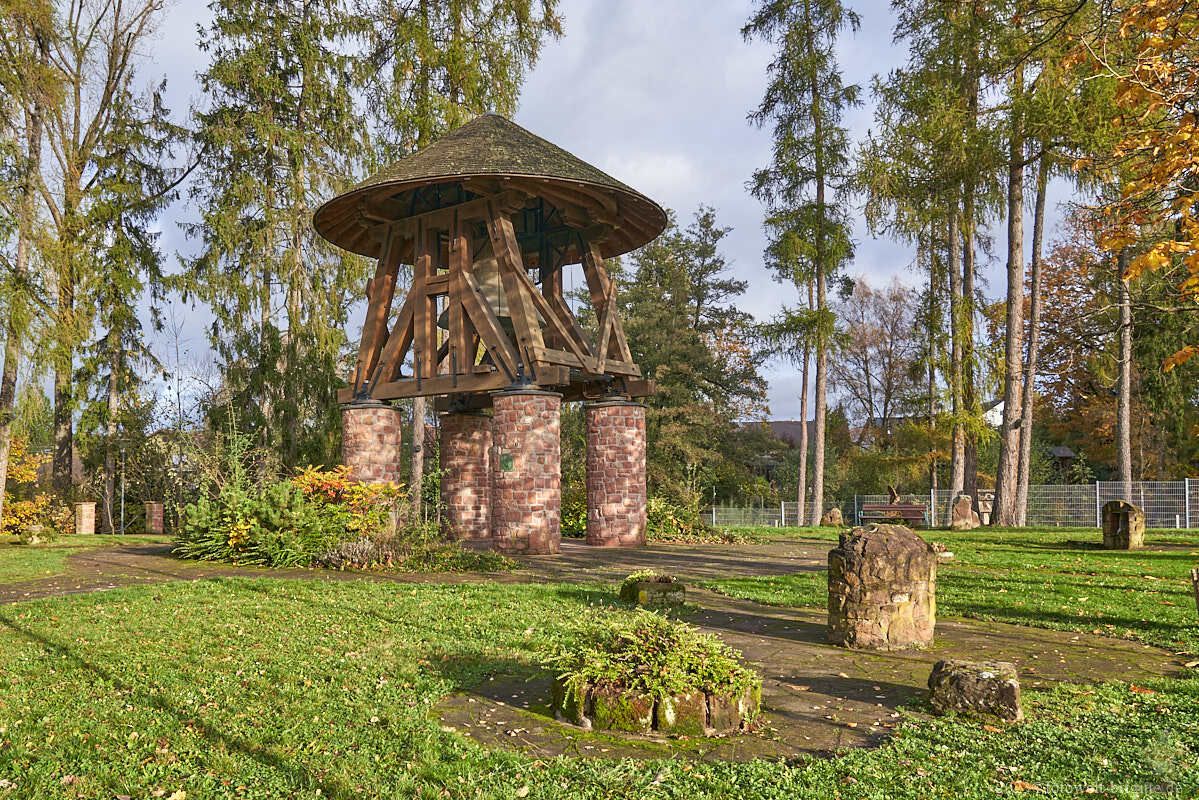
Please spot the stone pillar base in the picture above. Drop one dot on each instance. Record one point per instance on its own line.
(526, 474)
(616, 493)
(466, 475)
(371, 433)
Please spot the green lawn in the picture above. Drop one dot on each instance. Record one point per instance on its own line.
(267, 688)
(1052, 579)
(22, 562)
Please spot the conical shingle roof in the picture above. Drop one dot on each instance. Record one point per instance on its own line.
(489, 147)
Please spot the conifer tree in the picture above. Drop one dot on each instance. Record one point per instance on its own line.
(805, 185)
(280, 135)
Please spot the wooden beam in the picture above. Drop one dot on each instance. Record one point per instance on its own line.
(520, 303)
(380, 292)
(397, 343)
(442, 384)
(588, 365)
(487, 325)
(462, 358)
(424, 318)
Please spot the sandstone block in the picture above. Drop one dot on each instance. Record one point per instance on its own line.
(882, 589)
(976, 687)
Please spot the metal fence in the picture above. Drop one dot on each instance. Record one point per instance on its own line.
(1167, 504)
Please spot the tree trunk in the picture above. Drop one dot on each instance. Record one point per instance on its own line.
(932, 385)
(1124, 385)
(13, 328)
(957, 454)
(1006, 476)
(1034, 339)
(108, 521)
(8, 394)
(820, 265)
(802, 492)
(970, 402)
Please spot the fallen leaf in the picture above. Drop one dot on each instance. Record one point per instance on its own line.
(992, 729)
(1025, 786)
(522, 791)
(1192, 664)
(1140, 689)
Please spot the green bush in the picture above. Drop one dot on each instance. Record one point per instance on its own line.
(668, 522)
(272, 526)
(650, 654)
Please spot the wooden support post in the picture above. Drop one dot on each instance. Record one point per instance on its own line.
(424, 340)
(461, 357)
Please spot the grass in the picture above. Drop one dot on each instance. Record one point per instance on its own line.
(1058, 579)
(266, 688)
(23, 562)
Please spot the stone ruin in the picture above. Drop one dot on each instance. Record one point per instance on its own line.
(1123, 526)
(882, 589)
(988, 688)
(962, 516)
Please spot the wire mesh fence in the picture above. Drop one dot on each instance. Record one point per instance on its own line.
(1167, 504)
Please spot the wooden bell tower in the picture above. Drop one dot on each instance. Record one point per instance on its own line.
(487, 218)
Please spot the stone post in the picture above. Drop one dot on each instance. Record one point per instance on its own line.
(370, 441)
(882, 588)
(466, 475)
(85, 518)
(153, 516)
(526, 471)
(616, 493)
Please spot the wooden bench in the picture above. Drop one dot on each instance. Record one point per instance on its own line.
(912, 514)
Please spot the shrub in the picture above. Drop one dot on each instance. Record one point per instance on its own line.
(668, 522)
(29, 514)
(650, 654)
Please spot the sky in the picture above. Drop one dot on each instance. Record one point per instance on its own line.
(656, 93)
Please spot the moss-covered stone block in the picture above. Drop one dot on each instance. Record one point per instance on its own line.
(732, 710)
(653, 593)
(616, 709)
(570, 702)
(682, 714)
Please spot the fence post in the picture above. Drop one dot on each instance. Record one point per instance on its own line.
(1098, 510)
(857, 514)
(782, 514)
(1186, 496)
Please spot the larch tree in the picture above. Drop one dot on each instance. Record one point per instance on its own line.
(432, 66)
(805, 187)
(135, 182)
(279, 135)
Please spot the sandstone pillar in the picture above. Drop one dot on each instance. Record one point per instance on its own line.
(370, 441)
(85, 518)
(153, 517)
(526, 475)
(616, 493)
(466, 475)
